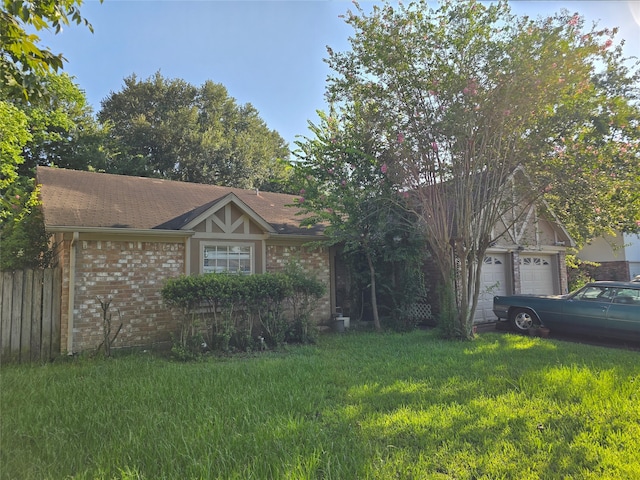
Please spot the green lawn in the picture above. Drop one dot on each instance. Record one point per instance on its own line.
(359, 405)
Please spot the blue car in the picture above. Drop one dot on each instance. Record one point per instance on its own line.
(607, 309)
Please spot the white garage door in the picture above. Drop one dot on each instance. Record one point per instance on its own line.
(494, 276)
(537, 274)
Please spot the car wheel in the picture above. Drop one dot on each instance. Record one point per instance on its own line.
(522, 319)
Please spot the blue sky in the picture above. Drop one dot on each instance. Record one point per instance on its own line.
(268, 53)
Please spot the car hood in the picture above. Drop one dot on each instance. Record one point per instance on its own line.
(527, 295)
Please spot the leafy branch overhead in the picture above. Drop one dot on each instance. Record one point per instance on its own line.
(22, 60)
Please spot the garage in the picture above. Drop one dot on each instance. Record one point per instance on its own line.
(494, 282)
(537, 274)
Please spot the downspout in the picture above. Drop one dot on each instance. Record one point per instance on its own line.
(72, 290)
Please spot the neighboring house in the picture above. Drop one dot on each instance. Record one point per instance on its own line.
(121, 237)
(618, 257)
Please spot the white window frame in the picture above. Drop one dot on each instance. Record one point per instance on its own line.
(227, 245)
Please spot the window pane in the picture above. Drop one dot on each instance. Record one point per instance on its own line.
(227, 258)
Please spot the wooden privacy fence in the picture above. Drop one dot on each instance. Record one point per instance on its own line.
(30, 315)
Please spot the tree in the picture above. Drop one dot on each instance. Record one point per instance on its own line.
(22, 233)
(459, 97)
(171, 129)
(14, 135)
(22, 61)
(64, 132)
(344, 184)
(593, 165)
(56, 129)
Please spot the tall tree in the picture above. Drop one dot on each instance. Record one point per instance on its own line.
(64, 132)
(22, 236)
(473, 92)
(344, 181)
(171, 129)
(54, 129)
(22, 61)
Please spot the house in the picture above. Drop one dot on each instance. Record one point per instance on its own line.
(618, 257)
(121, 237)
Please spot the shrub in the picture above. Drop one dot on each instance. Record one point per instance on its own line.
(233, 310)
(303, 299)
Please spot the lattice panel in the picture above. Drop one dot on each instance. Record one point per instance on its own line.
(420, 311)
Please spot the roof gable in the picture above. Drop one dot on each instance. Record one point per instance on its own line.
(221, 214)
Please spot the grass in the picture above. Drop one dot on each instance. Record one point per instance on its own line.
(359, 405)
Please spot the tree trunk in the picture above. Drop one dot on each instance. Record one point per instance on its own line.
(374, 300)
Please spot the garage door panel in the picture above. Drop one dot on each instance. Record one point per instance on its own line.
(493, 282)
(537, 274)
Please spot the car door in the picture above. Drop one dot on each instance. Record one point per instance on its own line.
(587, 310)
(623, 315)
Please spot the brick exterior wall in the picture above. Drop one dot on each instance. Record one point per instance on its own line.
(563, 273)
(515, 273)
(130, 274)
(315, 261)
(618, 271)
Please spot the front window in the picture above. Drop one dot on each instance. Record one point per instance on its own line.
(595, 293)
(227, 258)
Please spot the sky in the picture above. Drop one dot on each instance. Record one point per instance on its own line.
(265, 52)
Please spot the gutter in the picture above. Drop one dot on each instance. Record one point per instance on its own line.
(120, 231)
(73, 248)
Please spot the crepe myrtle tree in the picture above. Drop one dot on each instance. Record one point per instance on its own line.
(470, 93)
(347, 185)
(591, 174)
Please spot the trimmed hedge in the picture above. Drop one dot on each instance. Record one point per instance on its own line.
(223, 311)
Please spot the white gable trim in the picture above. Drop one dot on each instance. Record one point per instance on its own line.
(226, 226)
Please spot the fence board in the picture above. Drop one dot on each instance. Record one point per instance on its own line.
(7, 306)
(47, 307)
(56, 294)
(30, 302)
(16, 314)
(27, 308)
(36, 315)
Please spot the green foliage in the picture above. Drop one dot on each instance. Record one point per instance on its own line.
(64, 131)
(305, 292)
(392, 406)
(170, 129)
(579, 272)
(14, 135)
(25, 243)
(187, 348)
(22, 61)
(234, 310)
(347, 184)
(447, 324)
(57, 129)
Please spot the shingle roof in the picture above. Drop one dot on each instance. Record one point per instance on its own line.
(74, 198)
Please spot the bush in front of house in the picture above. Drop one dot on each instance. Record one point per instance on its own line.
(242, 313)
